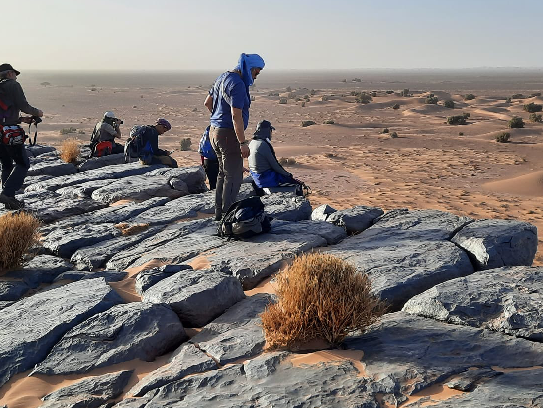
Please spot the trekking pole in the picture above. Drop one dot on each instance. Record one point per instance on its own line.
(35, 120)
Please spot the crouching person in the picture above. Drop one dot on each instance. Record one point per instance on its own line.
(265, 169)
(104, 134)
(151, 154)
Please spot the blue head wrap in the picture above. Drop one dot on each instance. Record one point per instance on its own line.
(245, 63)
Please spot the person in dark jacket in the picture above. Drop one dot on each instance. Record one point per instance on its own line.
(263, 164)
(150, 144)
(14, 100)
(228, 102)
(106, 131)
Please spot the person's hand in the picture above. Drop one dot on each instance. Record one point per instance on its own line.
(244, 151)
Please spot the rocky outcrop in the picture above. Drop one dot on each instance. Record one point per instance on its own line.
(33, 325)
(353, 220)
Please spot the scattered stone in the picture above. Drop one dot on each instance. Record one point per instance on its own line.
(146, 279)
(287, 207)
(496, 243)
(109, 276)
(331, 233)
(12, 290)
(122, 333)
(196, 296)
(33, 325)
(91, 392)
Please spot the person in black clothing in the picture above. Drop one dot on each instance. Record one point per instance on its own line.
(13, 101)
(151, 154)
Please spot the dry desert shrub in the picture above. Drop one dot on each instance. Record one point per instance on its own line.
(516, 123)
(319, 296)
(503, 137)
(69, 150)
(185, 144)
(18, 233)
(131, 229)
(534, 117)
(291, 161)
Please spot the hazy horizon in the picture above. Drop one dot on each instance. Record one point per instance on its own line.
(308, 35)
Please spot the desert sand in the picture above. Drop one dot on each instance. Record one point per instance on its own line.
(430, 165)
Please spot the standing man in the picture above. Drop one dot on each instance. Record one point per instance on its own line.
(13, 102)
(229, 101)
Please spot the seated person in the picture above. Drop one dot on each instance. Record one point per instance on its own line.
(150, 153)
(263, 165)
(106, 131)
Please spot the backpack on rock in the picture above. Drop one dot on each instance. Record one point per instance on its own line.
(244, 219)
(134, 147)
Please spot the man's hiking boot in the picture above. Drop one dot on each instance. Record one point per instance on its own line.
(11, 203)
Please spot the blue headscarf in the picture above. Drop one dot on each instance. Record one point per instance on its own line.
(245, 63)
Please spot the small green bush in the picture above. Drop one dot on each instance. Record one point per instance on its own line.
(67, 131)
(431, 100)
(389, 92)
(460, 133)
(517, 96)
(469, 97)
(303, 104)
(393, 135)
(456, 120)
(508, 100)
(373, 94)
(534, 117)
(283, 101)
(503, 137)
(516, 123)
(449, 104)
(535, 94)
(466, 115)
(363, 97)
(329, 122)
(396, 106)
(325, 98)
(385, 130)
(306, 123)
(80, 132)
(533, 107)
(185, 144)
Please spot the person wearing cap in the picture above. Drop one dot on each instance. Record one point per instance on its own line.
(263, 164)
(228, 102)
(150, 144)
(106, 131)
(13, 102)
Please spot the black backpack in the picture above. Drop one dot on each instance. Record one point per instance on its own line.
(244, 219)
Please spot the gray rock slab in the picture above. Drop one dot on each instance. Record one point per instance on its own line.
(287, 207)
(116, 172)
(237, 333)
(98, 162)
(91, 392)
(147, 278)
(138, 187)
(12, 290)
(96, 256)
(49, 207)
(188, 360)
(196, 296)
(54, 168)
(193, 177)
(40, 269)
(401, 270)
(496, 243)
(253, 260)
(322, 212)
(423, 225)
(508, 300)
(83, 190)
(109, 276)
(356, 219)
(427, 352)
(176, 210)
(33, 325)
(38, 150)
(126, 257)
(112, 214)
(64, 243)
(122, 333)
(331, 233)
(5, 303)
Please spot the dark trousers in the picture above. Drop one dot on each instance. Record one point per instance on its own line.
(212, 171)
(226, 146)
(13, 177)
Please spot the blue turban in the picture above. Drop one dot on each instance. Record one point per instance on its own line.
(245, 63)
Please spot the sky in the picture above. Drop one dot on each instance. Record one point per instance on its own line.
(170, 35)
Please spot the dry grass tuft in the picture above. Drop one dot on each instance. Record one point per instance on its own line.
(69, 150)
(18, 233)
(128, 229)
(319, 296)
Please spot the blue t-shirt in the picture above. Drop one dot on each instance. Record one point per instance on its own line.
(236, 94)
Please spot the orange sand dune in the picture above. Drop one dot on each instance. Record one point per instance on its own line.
(529, 184)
